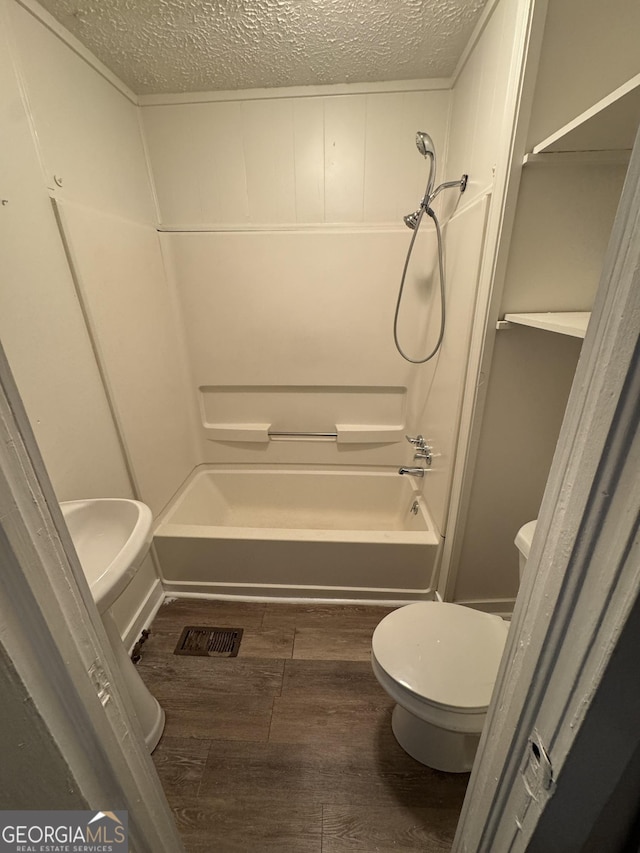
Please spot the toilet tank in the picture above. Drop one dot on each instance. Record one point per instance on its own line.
(523, 542)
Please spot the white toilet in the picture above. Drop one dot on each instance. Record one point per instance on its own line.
(439, 663)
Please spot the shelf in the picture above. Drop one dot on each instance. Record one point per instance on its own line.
(609, 125)
(576, 158)
(342, 433)
(254, 432)
(573, 323)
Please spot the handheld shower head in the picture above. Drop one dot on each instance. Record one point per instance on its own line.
(424, 144)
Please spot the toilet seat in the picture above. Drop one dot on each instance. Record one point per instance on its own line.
(442, 655)
(439, 663)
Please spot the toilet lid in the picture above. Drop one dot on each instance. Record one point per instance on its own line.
(445, 653)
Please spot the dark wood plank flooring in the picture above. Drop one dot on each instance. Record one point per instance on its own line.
(288, 747)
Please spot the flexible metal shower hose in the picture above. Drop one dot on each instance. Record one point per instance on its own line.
(402, 281)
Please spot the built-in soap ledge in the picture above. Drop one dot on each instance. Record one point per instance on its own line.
(237, 432)
(343, 433)
(369, 433)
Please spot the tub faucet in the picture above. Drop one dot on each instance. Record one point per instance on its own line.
(415, 472)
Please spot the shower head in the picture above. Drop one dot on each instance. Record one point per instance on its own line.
(411, 219)
(424, 144)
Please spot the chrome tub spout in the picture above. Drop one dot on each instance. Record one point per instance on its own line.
(415, 472)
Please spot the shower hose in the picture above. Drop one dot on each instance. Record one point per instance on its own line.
(432, 214)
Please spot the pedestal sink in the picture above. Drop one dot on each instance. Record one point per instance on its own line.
(112, 537)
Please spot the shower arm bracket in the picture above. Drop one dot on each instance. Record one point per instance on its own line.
(447, 185)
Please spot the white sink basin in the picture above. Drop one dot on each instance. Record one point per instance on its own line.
(111, 537)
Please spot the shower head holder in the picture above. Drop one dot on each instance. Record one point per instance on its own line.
(411, 220)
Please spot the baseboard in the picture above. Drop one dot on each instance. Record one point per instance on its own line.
(144, 615)
(296, 596)
(158, 593)
(500, 606)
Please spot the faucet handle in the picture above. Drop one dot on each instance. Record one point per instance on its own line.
(424, 452)
(418, 441)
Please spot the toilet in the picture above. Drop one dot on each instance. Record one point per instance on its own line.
(439, 663)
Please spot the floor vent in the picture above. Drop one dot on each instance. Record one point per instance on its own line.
(209, 642)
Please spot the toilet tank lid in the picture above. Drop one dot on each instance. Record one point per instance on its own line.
(524, 537)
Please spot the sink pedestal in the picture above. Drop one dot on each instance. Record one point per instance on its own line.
(146, 707)
(112, 536)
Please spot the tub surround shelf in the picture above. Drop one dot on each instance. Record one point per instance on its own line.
(292, 435)
(573, 323)
(369, 433)
(237, 432)
(610, 124)
(341, 433)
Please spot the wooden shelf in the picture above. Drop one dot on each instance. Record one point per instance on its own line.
(573, 323)
(609, 125)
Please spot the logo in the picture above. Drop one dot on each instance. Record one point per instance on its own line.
(63, 832)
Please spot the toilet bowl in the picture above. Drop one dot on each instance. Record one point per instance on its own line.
(439, 663)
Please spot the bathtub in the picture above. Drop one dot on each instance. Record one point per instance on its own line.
(288, 532)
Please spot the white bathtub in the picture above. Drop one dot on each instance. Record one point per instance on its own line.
(294, 532)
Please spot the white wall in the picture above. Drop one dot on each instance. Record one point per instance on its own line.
(90, 138)
(562, 223)
(479, 123)
(531, 375)
(589, 49)
(78, 127)
(41, 323)
(313, 159)
(563, 220)
(131, 312)
(478, 126)
(88, 131)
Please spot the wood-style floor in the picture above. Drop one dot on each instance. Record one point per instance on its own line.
(288, 747)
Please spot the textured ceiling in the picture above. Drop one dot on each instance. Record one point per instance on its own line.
(198, 45)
